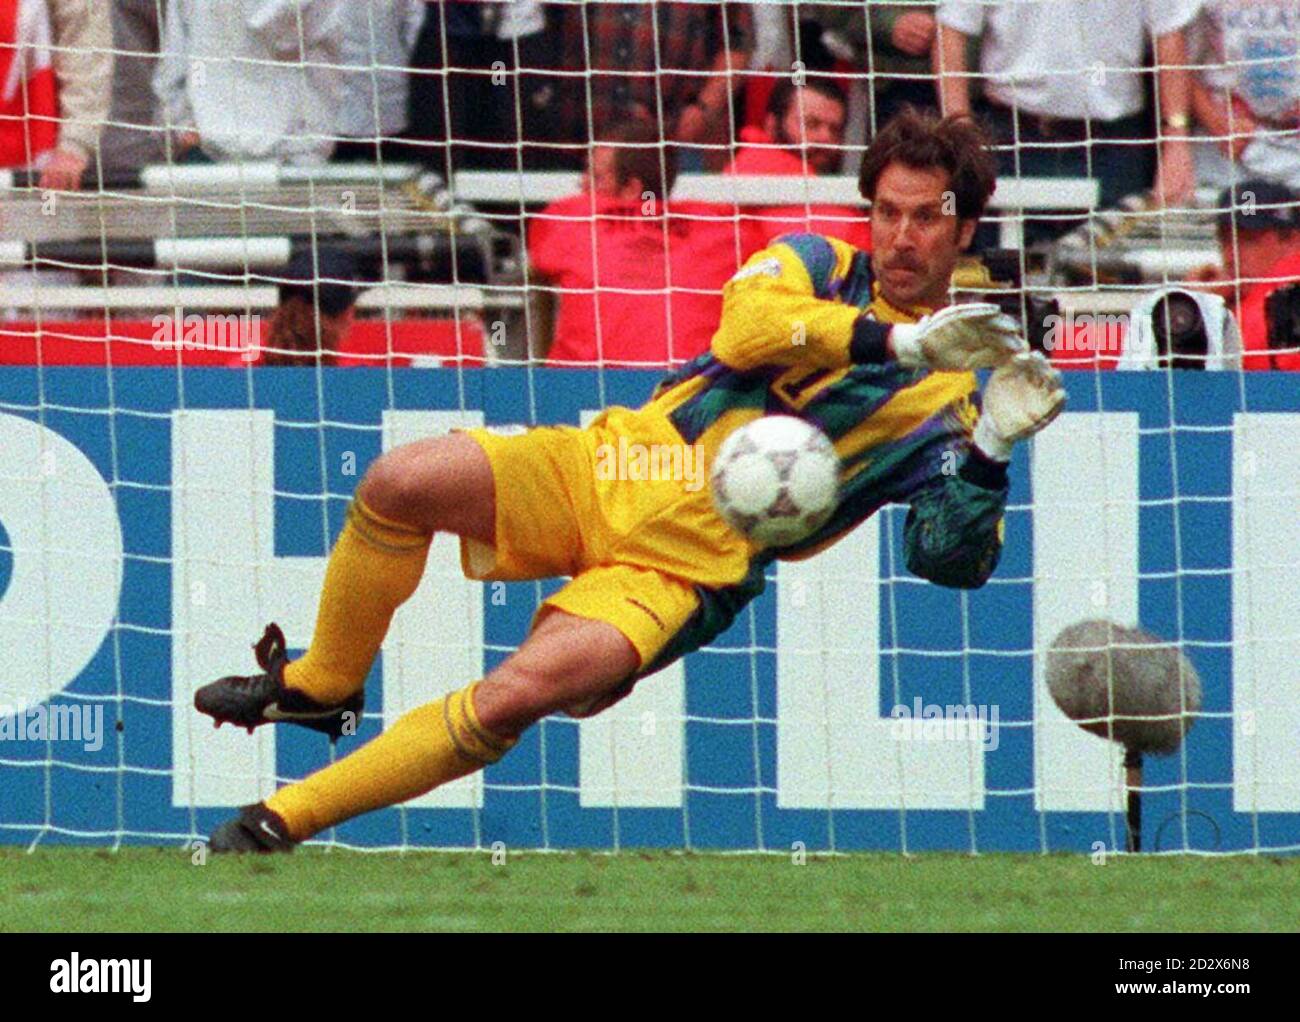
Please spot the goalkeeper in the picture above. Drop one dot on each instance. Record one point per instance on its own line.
(862, 345)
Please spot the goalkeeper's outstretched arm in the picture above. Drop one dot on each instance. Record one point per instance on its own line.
(773, 313)
(953, 533)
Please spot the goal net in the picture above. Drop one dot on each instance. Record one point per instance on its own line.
(448, 184)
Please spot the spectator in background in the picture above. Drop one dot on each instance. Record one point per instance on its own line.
(257, 80)
(83, 65)
(891, 42)
(496, 55)
(317, 299)
(902, 37)
(29, 102)
(671, 65)
(134, 136)
(55, 65)
(771, 52)
(777, 35)
(1064, 87)
(802, 134)
(638, 278)
(1259, 242)
(1247, 100)
(378, 39)
(54, 96)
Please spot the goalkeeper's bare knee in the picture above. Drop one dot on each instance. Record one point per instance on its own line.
(441, 484)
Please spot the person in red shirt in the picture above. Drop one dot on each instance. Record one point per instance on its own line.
(1259, 256)
(802, 134)
(29, 105)
(638, 278)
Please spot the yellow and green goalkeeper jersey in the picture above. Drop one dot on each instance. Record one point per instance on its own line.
(803, 333)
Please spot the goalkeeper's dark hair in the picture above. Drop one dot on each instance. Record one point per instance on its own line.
(641, 153)
(924, 141)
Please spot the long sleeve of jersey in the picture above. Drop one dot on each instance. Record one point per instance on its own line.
(902, 435)
(780, 309)
(953, 533)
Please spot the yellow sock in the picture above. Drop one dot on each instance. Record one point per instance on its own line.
(373, 569)
(429, 746)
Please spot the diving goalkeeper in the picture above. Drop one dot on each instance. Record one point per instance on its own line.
(862, 345)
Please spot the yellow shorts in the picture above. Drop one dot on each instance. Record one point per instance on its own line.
(577, 502)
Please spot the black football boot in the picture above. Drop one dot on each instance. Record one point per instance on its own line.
(264, 699)
(255, 829)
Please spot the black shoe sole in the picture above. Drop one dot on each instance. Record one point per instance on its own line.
(217, 701)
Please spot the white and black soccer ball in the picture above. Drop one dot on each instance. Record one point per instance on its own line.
(776, 480)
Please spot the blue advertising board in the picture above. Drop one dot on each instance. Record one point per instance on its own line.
(1198, 491)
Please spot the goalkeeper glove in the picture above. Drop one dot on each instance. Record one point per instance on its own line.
(1021, 397)
(975, 335)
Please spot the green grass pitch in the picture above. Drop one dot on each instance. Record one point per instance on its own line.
(153, 889)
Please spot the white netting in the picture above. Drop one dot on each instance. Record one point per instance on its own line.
(483, 186)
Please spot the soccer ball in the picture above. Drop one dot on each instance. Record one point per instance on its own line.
(776, 480)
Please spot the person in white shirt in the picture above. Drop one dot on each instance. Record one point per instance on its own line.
(257, 80)
(377, 41)
(1063, 83)
(56, 59)
(1246, 99)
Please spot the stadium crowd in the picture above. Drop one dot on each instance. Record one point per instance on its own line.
(1150, 97)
